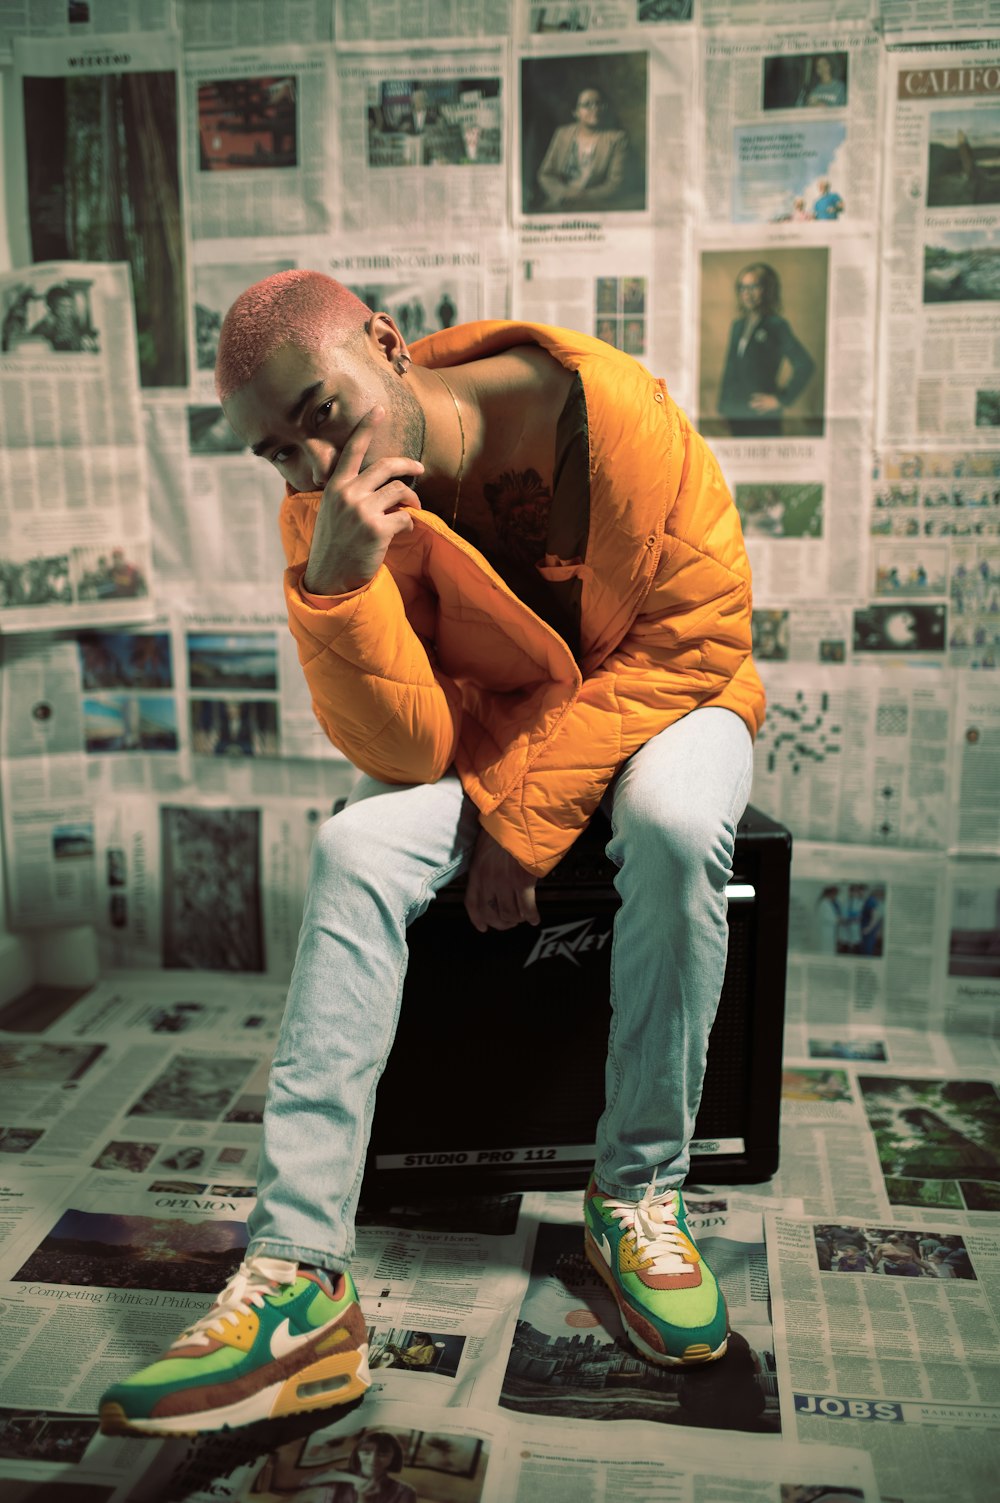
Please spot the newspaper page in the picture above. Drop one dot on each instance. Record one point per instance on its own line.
(975, 749)
(74, 513)
(867, 927)
(972, 955)
(208, 884)
(39, 18)
(563, 16)
(941, 210)
(423, 136)
(425, 285)
(792, 312)
(252, 23)
(791, 136)
(875, 1042)
(565, 1361)
(97, 176)
(860, 759)
(916, 1360)
(587, 116)
(624, 287)
(916, 20)
(401, 20)
(261, 153)
(778, 13)
(206, 705)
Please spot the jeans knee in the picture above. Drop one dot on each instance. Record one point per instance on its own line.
(349, 846)
(681, 846)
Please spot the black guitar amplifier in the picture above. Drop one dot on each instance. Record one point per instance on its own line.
(496, 1079)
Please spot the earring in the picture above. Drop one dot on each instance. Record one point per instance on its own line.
(403, 363)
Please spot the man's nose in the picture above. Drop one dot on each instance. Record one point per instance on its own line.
(320, 458)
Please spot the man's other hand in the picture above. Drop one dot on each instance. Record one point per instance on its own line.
(500, 893)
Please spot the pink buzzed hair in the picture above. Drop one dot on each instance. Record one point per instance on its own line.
(291, 307)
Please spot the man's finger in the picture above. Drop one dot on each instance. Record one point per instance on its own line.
(528, 905)
(356, 446)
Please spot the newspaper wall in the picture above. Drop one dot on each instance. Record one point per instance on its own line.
(938, 327)
(74, 512)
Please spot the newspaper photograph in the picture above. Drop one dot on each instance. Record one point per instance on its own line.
(942, 242)
(583, 128)
(566, 1355)
(423, 136)
(260, 154)
(102, 176)
(915, 1360)
(789, 137)
(74, 514)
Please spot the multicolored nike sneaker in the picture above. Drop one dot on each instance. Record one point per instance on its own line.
(672, 1307)
(275, 1342)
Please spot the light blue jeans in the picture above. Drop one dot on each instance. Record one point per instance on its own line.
(377, 865)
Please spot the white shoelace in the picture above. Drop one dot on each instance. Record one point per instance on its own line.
(653, 1223)
(245, 1289)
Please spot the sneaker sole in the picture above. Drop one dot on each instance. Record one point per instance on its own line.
(321, 1385)
(695, 1355)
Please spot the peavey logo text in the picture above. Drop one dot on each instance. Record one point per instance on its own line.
(568, 940)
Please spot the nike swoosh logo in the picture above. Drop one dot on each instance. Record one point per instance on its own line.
(605, 1247)
(283, 1342)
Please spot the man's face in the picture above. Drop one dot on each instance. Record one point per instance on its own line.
(303, 405)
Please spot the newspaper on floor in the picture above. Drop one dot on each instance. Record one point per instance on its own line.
(912, 1362)
(565, 1355)
(96, 176)
(74, 518)
(880, 1043)
(939, 321)
(891, 1142)
(420, 1452)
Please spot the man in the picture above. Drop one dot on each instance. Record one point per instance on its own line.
(828, 205)
(518, 589)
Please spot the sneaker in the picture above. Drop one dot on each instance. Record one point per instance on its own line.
(275, 1342)
(672, 1307)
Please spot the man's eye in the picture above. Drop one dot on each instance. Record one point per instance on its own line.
(323, 411)
(280, 456)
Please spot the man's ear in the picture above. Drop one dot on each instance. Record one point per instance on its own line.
(387, 342)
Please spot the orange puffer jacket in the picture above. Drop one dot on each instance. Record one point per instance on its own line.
(437, 662)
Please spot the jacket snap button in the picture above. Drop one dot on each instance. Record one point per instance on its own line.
(651, 540)
(659, 396)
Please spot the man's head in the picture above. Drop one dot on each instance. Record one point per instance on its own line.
(301, 361)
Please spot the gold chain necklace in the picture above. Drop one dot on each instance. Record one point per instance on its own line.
(461, 462)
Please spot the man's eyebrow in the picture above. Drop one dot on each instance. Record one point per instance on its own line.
(292, 415)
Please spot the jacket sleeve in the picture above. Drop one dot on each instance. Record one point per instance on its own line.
(671, 661)
(375, 689)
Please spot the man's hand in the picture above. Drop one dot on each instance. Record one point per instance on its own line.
(499, 894)
(362, 510)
